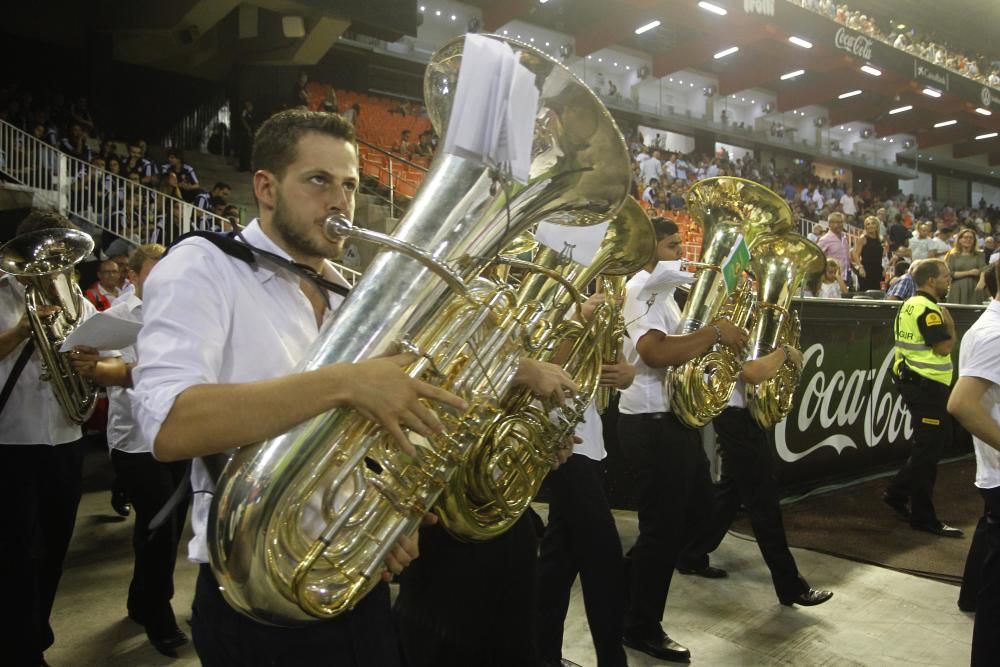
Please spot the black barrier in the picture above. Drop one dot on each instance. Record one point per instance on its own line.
(848, 419)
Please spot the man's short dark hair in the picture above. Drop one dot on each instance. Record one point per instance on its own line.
(926, 270)
(39, 219)
(175, 152)
(653, 180)
(276, 143)
(900, 269)
(222, 186)
(663, 228)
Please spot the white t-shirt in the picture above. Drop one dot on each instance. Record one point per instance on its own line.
(829, 290)
(660, 312)
(979, 357)
(32, 415)
(213, 319)
(921, 248)
(847, 204)
(650, 169)
(123, 434)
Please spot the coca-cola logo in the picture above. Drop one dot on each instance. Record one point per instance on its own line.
(857, 45)
(834, 411)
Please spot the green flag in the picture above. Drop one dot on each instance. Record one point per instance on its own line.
(735, 264)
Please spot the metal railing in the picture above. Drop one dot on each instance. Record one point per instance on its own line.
(393, 170)
(132, 211)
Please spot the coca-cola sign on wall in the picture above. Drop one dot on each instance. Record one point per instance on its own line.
(854, 43)
(842, 408)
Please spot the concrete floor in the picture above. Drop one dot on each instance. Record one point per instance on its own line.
(877, 616)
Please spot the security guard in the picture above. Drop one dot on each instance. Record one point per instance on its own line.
(925, 336)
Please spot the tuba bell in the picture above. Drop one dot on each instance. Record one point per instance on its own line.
(300, 525)
(730, 210)
(504, 471)
(780, 264)
(44, 261)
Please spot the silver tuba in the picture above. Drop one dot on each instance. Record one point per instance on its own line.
(300, 525)
(44, 261)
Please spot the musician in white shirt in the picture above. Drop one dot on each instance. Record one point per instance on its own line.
(147, 483)
(975, 403)
(671, 470)
(41, 464)
(218, 349)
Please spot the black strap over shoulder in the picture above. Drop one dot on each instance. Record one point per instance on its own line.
(231, 244)
(15, 373)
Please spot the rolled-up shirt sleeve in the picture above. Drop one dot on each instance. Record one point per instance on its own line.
(187, 320)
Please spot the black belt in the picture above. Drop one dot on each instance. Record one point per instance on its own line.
(654, 415)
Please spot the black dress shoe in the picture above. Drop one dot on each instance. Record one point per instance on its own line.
(708, 572)
(938, 528)
(897, 503)
(662, 647)
(167, 644)
(120, 503)
(809, 598)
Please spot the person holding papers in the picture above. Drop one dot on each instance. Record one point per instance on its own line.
(669, 463)
(146, 481)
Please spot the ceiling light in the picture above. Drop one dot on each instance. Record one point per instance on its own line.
(753, 101)
(546, 43)
(453, 17)
(715, 9)
(984, 112)
(680, 82)
(726, 52)
(792, 75)
(437, 13)
(532, 40)
(868, 69)
(798, 41)
(842, 127)
(627, 67)
(930, 92)
(901, 26)
(505, 32)
(987, 136)
(891, 140)
(900, 109)
(691, 84)
(542, 2)
(616, 64)
(743, 99)
(649, 26)
(852, 93)
(423, 7)
(945, 123)
(600, 60)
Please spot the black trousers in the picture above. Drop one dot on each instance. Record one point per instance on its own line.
(40, 488)
(149, 484)
(675, 499)
(748, 477)
(932, 429)
(224, 637)
(985, 637)
(580, 538)
(972, 574)
(470, 603)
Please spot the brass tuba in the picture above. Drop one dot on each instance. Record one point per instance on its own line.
(44, 260)
(505, 470)
(728, 209)
(780, 264)
(300, 525)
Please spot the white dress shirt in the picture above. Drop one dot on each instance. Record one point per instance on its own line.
(650, 169)
(32, 415)
(979, 357)
(123, 434)
(591, 431)
(213, 319)
(658, 311)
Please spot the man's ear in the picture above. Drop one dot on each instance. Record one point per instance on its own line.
(265, 188)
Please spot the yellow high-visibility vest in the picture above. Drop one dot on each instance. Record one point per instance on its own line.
(911, 346)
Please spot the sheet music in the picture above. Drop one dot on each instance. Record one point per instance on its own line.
(103, 332)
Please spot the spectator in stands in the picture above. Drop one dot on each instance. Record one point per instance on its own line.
(105, 289)
(649, 194)
(867, 255)
(967, 265)
(244, 137)
(898, 235)
(405, 146)
(187, 180)
(137, 164)
(832, 286)
(925, 246)
(168, 185)
(817, 231)
(403, 108)
(75, 144)
(424, 148)
(329, 103)
(220, 190)
(651, 168)
(835, 244)
(899, 271)
(108, 150)
(80, 114)
(232, 213)
(300, 95)
(351, 115)
(676, 201)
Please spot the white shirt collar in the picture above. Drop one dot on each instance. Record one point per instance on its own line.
(255, 236)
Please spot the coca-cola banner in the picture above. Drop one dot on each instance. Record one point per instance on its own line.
(847, 420)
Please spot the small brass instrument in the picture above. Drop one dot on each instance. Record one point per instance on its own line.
(780, 264)
(44, 260)
(728, 209)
